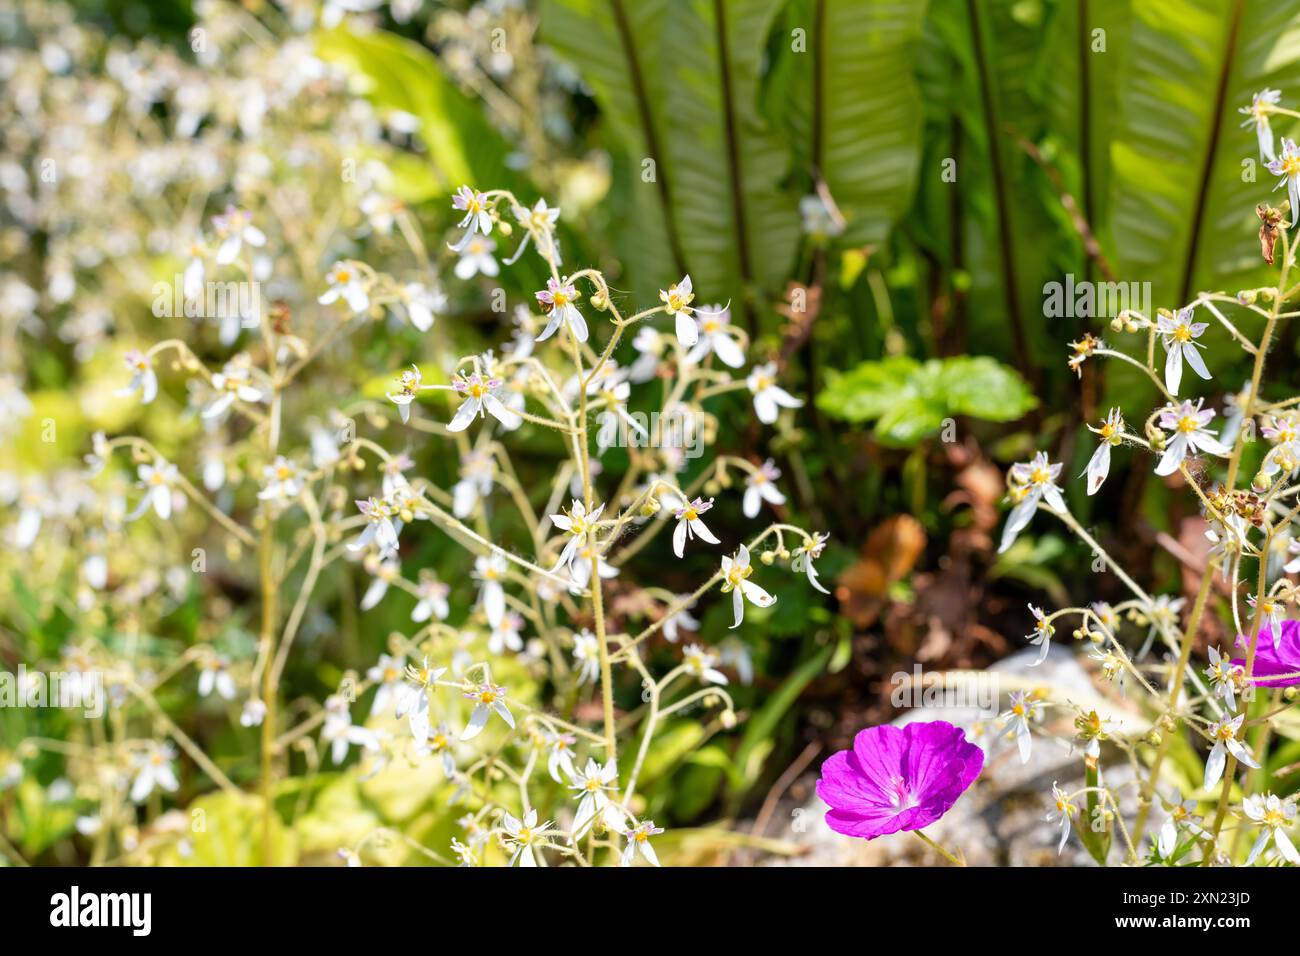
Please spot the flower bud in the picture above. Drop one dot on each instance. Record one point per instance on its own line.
(767, 557)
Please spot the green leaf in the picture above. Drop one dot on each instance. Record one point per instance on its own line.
(1182, 216)
(1095, 841)
(849, 100)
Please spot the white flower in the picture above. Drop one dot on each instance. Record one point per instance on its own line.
(1022, 711)
(677, 303)
(409, 384)
(440, 743)
(1112, 433)
(253, 714)
(385, 573)
(1041, 636)
(413, 697)
(806, 554)
(1224, 677)
(1180, 815)
(431, 595)
(682, 619)
(339, 732)
(715, 335)
(1163, 613)
(524, 335)
(735, 578)
(487, 697)
(558, 297)
(638, 841)
(1063, 811)
(1270, 609)
(760, 486)
(586, 655)
(593, 784)
(769, 398)
(1188, 422)
(478, 217)
(346, 282)
(1274, 817)
(234, 381)
(157, 481)
(382, 525)
(690, 526)
(819, 221)
(540, 222)
(388, 674)
(490, 571)
(505, 635)
(153, 769)
(1178, 333)
(476, 258)
(481, 395)
(702, 664)
(560, 756)
(1287, 166)
(1257, 116)
(477, 470)
(215, 675)
(521, 835)
(281, 480)
(142, 376)
(1224, 734)
(420, 304)
(235, 227)
(577, 524)
(1031, 482)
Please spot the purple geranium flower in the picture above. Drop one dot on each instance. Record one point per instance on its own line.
(897, 778)
(1283, 659)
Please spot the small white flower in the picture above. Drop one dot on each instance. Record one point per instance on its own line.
(1016, 720)
(388, 675)
(540, 222)
(1041, 636)
(482, 394)
(677, 303)
(478, 217)
(1271, 608)
(560, 755)
(700, 663)
(235, 227)
(153, 768)
(234, 381)
(476, 258)
(419, 304)
(382, 526)
(638, 841)
(215, 675)
(157, 480)
(521, 835)
(413, 697)
(1274, 817)
(559, 297)
(1179, 333)
(682, 619)
(586, 655)
(281, 480)
(1112, 434)
(1180, 816)
(506, 634)
(1287, 166)
(806, 554)
(735, 578)
(253, 714)
(431, 599)
(346, 282)
(142, 376)
(1224, 678)
(340, 733)
(1188, 422)
(577, 524)
(769, 398)
(487, 697)
(1062, 812)
(440, 744)
(385, 573)
(1031, 482)
(1224, 734)
(760, 486)
(490, 571)
(716, 335)
(593, 785)
(1257, 116)
(477, 471)
(409, 384)
(689, 525)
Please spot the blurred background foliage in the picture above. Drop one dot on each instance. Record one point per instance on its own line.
(974, 150)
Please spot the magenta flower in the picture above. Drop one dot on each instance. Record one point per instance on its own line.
(897, 778)
(1283, 659)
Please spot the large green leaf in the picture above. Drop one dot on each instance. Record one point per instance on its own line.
(850, 102)
(1182, 215)
(677, 82)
